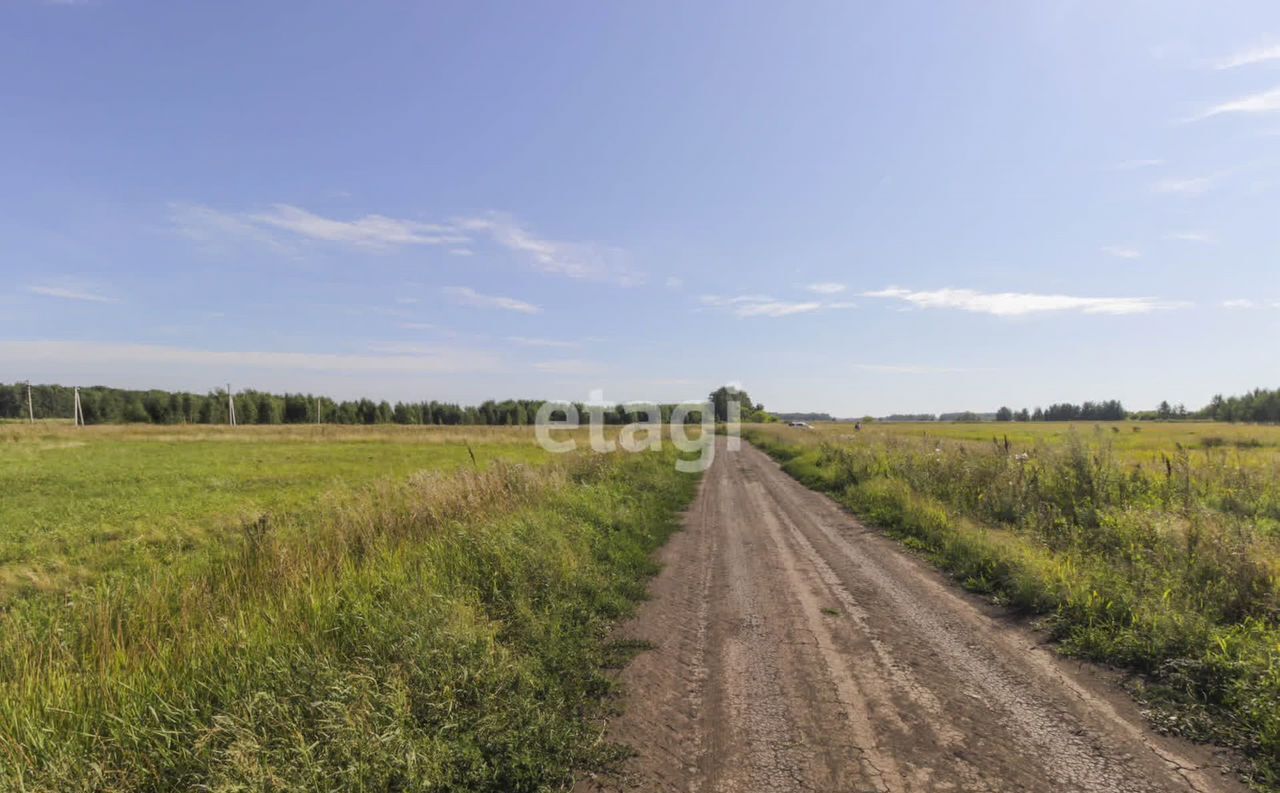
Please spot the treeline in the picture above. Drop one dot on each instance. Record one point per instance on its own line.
(105, 405)
(1259, 405)
(803, 417)
(1109, 410)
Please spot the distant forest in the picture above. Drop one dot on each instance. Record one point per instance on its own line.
(804, 417)
(105, 405)
(1260, 406)
(1110, 410)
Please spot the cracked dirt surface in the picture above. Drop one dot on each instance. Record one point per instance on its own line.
(796, 650)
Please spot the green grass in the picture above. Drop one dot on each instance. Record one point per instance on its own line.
(442, 631)
(82, 503)
(1160, 554)
(1133, 439)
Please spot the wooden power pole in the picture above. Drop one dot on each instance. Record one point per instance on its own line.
(231, 407)
(31, 411)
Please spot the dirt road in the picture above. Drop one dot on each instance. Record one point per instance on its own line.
(798, 650)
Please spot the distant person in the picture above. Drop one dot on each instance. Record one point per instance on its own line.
(857, 426)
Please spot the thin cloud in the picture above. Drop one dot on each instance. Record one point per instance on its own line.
(70, 291)
(1019, 304)
(465, 295)
(1262, 102)
(372, 231)
(744, 306)
(587, 261)
(1190, 236)
(417, 326)
(1249, 57)
(526, 341)
(1246, 304)
(673, 282)
(284, 226)
(75, 354)
(1133, 165)
(1121, 252)
(826, 288)
(1192, 186)
(759, 305)
(212, 227)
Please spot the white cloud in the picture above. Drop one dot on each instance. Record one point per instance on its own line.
(525, 341)
(284, 225)
(70, 290)
(1133, 165)
(1262, 102)
(776, 308)
(210, 226)
(282, 222)
(1239, 303)
(826, 288)
(1190, 236)
(586, 261)
(417, 326)
(467, 296)
(1250, 57)
(1017, 304)
(674, 282)
(75, 354)
(765, 306)
(759, 305)
(374, 231)
(1121, 252)
(1192, 186)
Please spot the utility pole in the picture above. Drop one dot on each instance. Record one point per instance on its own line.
(317, 410)
(231, 407)
(78, 418)
(31, 411)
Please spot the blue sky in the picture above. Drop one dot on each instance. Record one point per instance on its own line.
(849, 207)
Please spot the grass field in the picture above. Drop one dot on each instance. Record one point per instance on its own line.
(1152, 546)
(79, 503)
(404, 619)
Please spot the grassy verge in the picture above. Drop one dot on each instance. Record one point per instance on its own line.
(1169, 572)
(444, 633)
